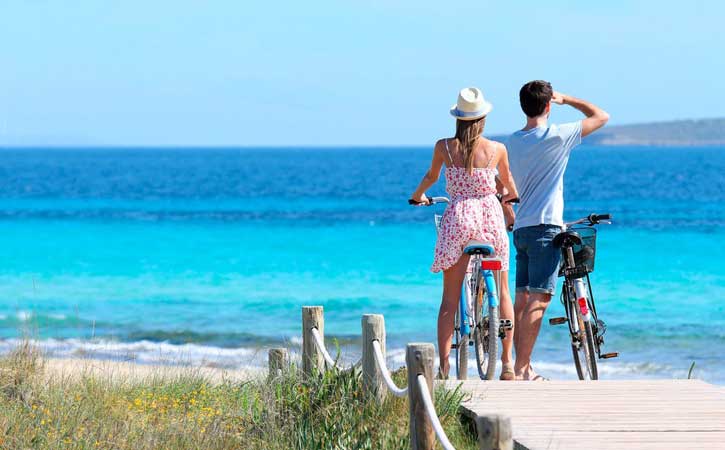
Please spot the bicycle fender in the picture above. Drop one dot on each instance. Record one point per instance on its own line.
(491, 291)
(463, 314)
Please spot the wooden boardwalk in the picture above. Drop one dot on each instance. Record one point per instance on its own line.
(647, 414)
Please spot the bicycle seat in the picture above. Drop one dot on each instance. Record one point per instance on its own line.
(479, 248)
(566, 239)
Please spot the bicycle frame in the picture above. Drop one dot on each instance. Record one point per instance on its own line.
(481, 280)
(488, 269)
(585, 328)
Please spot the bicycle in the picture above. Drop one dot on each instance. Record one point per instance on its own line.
(578, 247)
(474, 326)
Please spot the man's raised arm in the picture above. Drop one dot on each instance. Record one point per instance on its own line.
(596, 116)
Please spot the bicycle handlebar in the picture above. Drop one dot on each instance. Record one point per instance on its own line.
(431, 201)
(591, 219)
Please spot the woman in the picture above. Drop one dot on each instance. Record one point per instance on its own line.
(474, 213)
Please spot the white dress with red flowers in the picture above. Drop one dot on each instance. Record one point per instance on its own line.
(474, 213)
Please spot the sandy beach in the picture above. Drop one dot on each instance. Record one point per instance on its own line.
(122, 371)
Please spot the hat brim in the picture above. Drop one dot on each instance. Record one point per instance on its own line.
(473, 115)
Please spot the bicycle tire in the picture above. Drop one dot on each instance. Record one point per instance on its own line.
(582, 344)
(482, 334)
(493, 330)
(461, 344)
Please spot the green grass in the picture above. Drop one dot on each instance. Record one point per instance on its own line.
(187, 411)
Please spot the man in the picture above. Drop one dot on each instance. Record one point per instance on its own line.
(538, 156)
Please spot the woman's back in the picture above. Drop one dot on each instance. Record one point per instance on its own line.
(481, 180)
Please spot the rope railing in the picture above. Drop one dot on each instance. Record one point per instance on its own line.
(326, 355)
(432, 415)
(425, 425)
(321, 347)
(380, 360)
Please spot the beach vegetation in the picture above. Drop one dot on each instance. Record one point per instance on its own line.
(43, 410)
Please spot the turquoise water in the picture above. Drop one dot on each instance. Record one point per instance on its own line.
(208, 255)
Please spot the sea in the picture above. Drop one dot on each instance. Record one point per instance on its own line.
(206, 256)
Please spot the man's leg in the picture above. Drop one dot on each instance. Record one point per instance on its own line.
(522, 286)
(527, 330)
(522, 297)
(543, 264)
(507, 312)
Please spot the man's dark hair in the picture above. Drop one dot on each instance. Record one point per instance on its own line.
(534, 96)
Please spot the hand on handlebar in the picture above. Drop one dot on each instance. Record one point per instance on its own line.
(420, 201)
(510, 198)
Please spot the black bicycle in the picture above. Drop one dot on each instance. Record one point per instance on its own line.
(578, 248)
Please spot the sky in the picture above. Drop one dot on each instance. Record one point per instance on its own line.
(326, 73)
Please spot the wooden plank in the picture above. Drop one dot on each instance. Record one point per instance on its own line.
(635, 414)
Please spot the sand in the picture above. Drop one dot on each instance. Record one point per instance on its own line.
(119, 371)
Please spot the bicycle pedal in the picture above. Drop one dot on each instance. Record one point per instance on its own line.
(609, 355)
(506, 324)
(558, 320)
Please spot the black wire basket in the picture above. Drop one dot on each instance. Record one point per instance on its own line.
(584, 253)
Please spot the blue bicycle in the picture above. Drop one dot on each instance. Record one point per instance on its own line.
(477, 324)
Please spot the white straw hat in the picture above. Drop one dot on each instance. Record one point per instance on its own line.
(471, 105)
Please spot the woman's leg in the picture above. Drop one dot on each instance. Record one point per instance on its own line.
(452, 283)
(507, 312)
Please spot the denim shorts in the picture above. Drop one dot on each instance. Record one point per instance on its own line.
(537, 260)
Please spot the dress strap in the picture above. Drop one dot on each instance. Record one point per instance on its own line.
(493, 155)
(449, 153)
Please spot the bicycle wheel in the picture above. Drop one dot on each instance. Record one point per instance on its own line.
(485, 334)
(461, 346)
(582, 343)
(493, 327)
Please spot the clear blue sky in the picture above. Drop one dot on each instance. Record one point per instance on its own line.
(374, 72)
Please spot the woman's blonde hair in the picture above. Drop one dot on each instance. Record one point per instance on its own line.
(467, 133)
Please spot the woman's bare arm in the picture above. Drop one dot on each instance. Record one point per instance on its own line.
(504, 174)
(431, 177)
(509, 215)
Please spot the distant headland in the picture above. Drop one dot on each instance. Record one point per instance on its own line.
(677, 133)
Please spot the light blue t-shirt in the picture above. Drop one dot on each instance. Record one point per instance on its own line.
(538, 159)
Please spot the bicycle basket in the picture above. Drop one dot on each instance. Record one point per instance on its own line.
(584, 253)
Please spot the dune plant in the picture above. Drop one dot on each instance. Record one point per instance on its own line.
(39, 409)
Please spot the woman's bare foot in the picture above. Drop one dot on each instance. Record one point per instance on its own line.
(507, 372)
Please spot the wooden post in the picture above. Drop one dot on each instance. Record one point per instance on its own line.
(419, 359)
(312, 359)
(494, 432)
(373, 329)
(278, 360)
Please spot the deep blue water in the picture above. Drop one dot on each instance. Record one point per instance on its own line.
(209, 254)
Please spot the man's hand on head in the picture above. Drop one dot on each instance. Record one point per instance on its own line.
(558, 98)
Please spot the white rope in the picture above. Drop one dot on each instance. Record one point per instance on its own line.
(430, 409)
(321, 347)
(398, 392)
(355, 366)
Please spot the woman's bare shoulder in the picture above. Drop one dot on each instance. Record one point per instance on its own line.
(443, 141)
